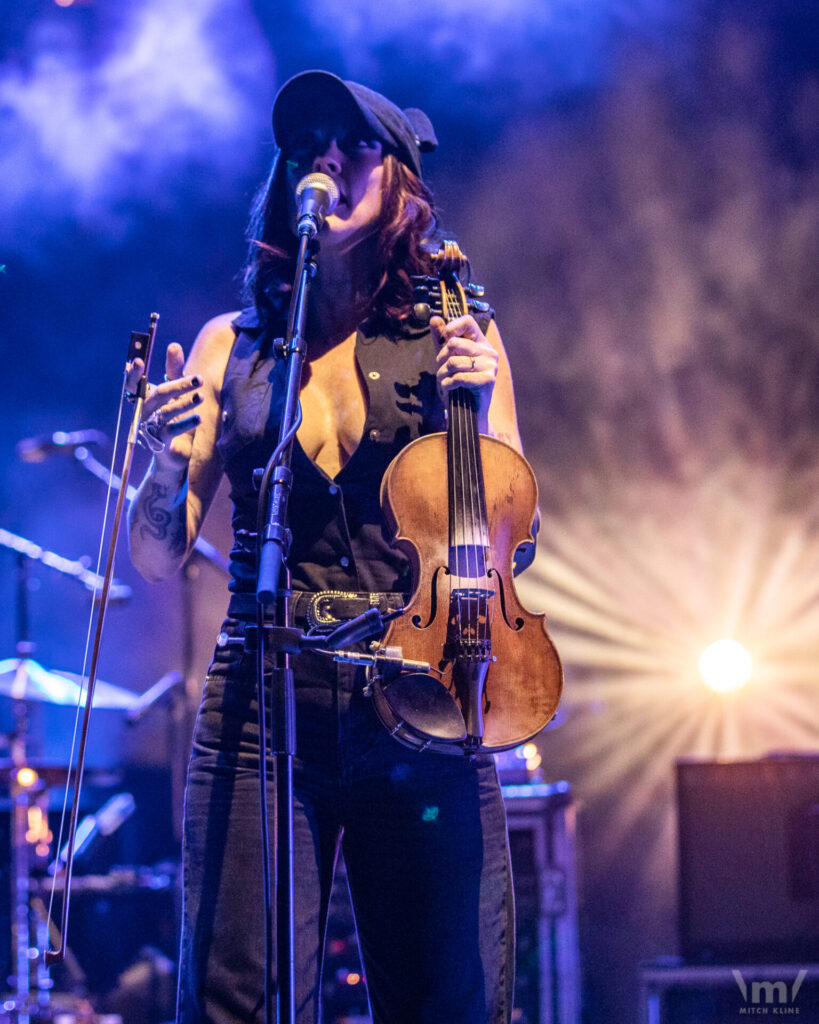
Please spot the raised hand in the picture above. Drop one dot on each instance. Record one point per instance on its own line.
(168, 416)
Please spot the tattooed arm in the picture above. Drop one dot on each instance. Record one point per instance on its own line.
(167, 512)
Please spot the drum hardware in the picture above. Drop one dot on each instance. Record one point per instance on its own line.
(32, 999)
(122, 879)
(23, 679)
(203, 548)
(25, 685)
(75, 568)
(35, 705)
(77, 444)
(31, 987)
(37, 696)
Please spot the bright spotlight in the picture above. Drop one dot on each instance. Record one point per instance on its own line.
(725, 666)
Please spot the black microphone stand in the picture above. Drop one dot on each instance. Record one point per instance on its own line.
(272, 598)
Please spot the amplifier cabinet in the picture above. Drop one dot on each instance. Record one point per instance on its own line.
(541, 819)
(749, 860)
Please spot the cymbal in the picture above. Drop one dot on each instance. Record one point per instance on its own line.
(26, 679)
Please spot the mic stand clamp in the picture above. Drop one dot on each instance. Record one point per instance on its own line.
(290, 640)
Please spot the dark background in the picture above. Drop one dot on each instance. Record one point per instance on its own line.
(636, 186)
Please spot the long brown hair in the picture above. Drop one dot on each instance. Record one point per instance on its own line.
(407, 229)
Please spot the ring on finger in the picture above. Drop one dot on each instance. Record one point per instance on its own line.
(472, 367)
(148, 432)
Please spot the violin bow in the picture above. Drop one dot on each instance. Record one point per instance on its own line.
(141, 347)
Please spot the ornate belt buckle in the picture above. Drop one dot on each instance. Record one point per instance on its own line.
(318, 609)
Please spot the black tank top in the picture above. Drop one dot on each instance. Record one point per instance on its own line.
(338, 539)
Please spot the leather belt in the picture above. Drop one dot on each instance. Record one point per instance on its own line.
(323, 609)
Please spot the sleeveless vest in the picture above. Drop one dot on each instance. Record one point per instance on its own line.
(338, 540)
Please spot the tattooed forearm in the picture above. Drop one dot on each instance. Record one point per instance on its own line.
(163, 519)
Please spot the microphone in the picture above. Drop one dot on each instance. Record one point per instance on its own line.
(146, 700)
(105, 822)
(317, 195)
(38, 449)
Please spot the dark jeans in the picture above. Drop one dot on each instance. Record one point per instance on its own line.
(424, 841)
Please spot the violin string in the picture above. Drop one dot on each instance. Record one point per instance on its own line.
(478, 525)
(456, 525)
(471, 442)
(481, 546)
(461, 553)
(470, 485)
(472, 555)
(467, 480)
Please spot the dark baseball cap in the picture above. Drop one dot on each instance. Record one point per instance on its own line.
(312, 95)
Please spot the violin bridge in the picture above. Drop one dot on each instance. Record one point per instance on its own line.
(469, 628)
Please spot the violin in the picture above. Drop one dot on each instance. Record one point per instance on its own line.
(458, 504)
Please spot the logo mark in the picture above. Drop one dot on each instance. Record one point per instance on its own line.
(769, 992)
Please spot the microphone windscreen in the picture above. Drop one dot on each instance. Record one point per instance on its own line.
(319, 182)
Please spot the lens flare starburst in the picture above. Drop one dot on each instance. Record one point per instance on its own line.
(636, 592)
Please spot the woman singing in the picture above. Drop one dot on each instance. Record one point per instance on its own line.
(423, 834)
